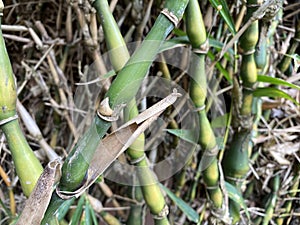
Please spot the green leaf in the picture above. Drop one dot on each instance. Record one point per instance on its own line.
(220, 121)
(236, 196)
(276, 81)
(179, 32)
(92, 212)
(273, 92)
(219, 45)
(187, 135)
(220, 67)
(64, 208)
(190, 213)
(174, 43)
(225, 13)
(77, 214)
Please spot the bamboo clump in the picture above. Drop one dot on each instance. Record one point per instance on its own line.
(242, 166)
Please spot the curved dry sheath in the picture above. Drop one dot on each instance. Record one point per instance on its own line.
(112, 146)
(108, 150)
(37, 203)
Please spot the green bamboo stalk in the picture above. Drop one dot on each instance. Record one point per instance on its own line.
(150, 189)
(114, 40)
(109, 219)
(75, 166)
(236, 158)
(27, 165)
(116, 45)
(136, 213)
(119, 55)
(198, 92)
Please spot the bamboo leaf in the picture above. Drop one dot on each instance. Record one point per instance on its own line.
(179, 32)
(64, 208)
(191, 214)
(220, 67)
(114, 144)
(273, 92)
(276, 81)
(219, 46)
(88, 215)
(225, 13)
(236, 196)
(77, 214)
(220, 121)
(92, 212)
(174, 43)
(187, 135)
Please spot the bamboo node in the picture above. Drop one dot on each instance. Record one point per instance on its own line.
(213, 187)
(235, 179)
(201, 108)
(106, 113)
(170, 16)
(249, 52)
(203, 48)
(9, 119)
(248, 88)
(162, 214)
(136, 161)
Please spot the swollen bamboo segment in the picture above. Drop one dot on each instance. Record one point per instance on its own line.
(27, 165)
(121, 91)
(236, 158)
(198, 91)
(119, 55)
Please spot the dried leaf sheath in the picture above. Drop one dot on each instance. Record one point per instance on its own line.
(122, 90)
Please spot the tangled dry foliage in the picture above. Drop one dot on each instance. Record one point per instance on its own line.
(51, 45)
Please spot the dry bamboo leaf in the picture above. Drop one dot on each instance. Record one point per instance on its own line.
(111, 147)
(281, 151)
(37, 203)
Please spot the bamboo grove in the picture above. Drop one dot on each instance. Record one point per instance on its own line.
(76, 74)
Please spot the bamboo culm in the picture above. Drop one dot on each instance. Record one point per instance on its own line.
(28, 167)
(119, 56)
(198, 92)
(236, 158)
